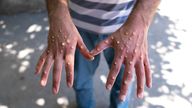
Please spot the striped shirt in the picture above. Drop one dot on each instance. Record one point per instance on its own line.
(100, 16)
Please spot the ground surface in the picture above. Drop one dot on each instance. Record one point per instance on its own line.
(23, 37)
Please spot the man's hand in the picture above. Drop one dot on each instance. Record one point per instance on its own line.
(63, 39)
(130, 45)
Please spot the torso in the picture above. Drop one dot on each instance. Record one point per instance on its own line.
(100, 16)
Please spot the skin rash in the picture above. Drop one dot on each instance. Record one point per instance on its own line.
(129, 43)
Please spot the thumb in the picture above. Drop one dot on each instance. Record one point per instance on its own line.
(83, 49)
(101, 46)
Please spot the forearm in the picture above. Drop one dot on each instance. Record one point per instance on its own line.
(59, 14)
(53, 5)
(144, 11)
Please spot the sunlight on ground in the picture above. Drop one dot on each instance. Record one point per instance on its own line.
(32, 36)
(41, 47)
(177, 73)
(40, 102)
(25, 52)
(63, 101)
(103, 78)
(9, 48)
(34, 28)
(24, 66)
(171, 101)
(3, 106)
(23, 88)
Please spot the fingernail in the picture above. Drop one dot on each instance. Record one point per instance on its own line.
(91, 52)
(122, 98)
(92, 58)
(109, 86)
(69, 85)
(150, 85)
(43, 83)
(54, 91)
(140, 95)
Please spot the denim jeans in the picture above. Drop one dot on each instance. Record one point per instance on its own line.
(85, 69)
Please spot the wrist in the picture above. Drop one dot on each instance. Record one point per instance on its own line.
(143, 12)
(135, 23)
(60, 11)
(140, 19)
(53, 5)
(60, 16)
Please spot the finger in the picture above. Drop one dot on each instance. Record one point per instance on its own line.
(140, 74)
(83, 49)
(41, 62)
(127, 78)
(116, 66)
(101, 46)
(57, 70)
(69, 66)
(147, 72)
(47, 67)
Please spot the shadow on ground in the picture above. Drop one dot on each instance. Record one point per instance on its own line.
(22, 39)
(161, 42)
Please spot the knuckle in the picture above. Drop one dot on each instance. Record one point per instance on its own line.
(69, 77)
(69, 74)
(110, 81)
(115, 70)
(43, 55)
(56, 69)
(124, 90)
(45, 73)
(42, 58)
(142, 73)
(140, 88)
(55, 82)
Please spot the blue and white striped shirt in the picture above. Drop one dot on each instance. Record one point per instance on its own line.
(100, 16)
